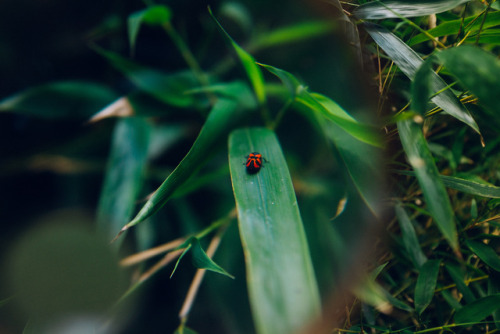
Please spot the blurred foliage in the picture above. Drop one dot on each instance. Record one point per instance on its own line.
(378, 197)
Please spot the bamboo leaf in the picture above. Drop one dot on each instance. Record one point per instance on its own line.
(409, 62)
(426, 284)
(477, 70)
(478, 310)
(202, 261)
(154, 15)
(485, 253)
(168, 88)
(458, 277)
(252, 69)
(65, 99)
(410, 240)
(225, 115)
(453, 27)
(282, 287)
(466, 186)
(435, 195)
(377, 10)
(124, 174)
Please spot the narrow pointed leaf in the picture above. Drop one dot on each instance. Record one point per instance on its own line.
(124, 174)
(154, 15)
(65, 99)
(426, 284)
(224, 116)
(168, 88)
(478, 310)
(376, 10)
(409, 62)
(410, 240)
(453, 27)
(421, 88)
(477, 70)
(355, 141)
(466, 186)
(282, 287)
(436, 198)
(458, 277)
(485, 253)
(202, 261)
(252, 69)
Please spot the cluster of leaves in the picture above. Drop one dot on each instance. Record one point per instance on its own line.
(443, 163)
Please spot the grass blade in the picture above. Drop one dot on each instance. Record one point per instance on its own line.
(478, 310)
(377, 10)
(426, 284)
(281, 282)
(435, 195)
(409, 62)
(222, 119)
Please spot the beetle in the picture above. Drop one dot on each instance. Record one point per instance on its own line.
(254, 162)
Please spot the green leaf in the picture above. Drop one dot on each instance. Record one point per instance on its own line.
(293, 34)
(426, 284)
(225, 115)
(202, 261)
(252, 69)
(435, 195)
(409, 62)
(182, 329)
(458, 277)
(410, 240)
(377, 10)
(154, 15)
(65, 99)
(477, 70)
(281, 283)
(485, 253)
(454, 27)
(466, 186)
(421, 88)
(354, 140)
(478, 310)
(168, 88)
(374, 294)
(124, 175)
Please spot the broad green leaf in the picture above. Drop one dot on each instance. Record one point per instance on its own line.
(293, 34)
(66, 99)
(409, 62)
(281, 283)
(477, 70)
(202, 261)
(434, 192)
(168, 88)
(377, 10)
(252, 69)
(466, 186)
(124, 175)
(224, 116)
(154, 15)
(478, 310)
(426, 284)
(458, 277)
(453, 27)
(485, 253)
(355, 141)
(410, 240)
